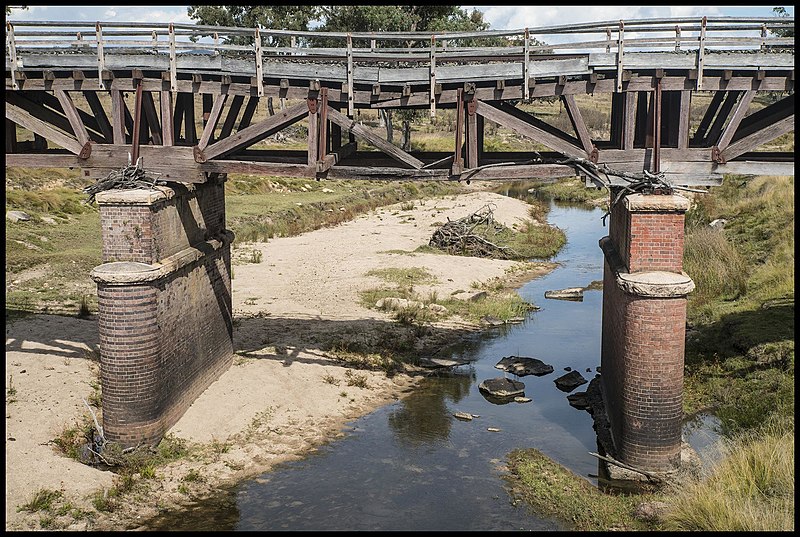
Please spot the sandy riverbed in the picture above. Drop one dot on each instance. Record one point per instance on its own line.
(283, 396)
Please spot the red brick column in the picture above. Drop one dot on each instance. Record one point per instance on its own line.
(164, 297)
(644, 320)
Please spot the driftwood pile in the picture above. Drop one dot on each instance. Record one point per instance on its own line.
(127, 177)
(472, 235)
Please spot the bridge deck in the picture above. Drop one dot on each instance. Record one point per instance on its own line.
(650, 68)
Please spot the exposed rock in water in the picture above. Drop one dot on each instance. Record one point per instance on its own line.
(502, 387)
(492, 321)
(579, 400)
(463, 416)
(440, 362)
(570, 381)
(493, 429)
(522, 365)
(519, 399)
(570, 293)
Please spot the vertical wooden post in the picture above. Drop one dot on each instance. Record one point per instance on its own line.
(313, 132)
(167, 136)
(11, 136)
(188, 117)
(137, 120)
(101, 60)
(472, 133)
(458, 164)
(684, 116)
(433, 77)
(350, 96)
(479, 137)
(118, 117)
(526, 92)
(323, 124)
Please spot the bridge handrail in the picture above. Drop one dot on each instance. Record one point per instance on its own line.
(523, 45)
(638, 25)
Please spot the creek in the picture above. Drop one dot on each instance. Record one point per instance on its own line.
(411, 465)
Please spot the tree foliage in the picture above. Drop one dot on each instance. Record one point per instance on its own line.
(783, 32)
(342, 18)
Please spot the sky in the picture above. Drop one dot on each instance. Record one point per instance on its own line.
(501, 17)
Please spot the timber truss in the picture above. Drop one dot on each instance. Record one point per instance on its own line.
(94, 97)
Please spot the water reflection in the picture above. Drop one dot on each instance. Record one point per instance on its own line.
(423, 416)
(412, 465)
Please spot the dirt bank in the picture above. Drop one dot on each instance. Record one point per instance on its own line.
(283, 396)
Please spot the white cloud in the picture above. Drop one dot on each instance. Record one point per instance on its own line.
(531, 16)
(125, 13)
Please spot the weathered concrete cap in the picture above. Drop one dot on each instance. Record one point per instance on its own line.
(657, 284)
(124, 272)
(135, 196)
(655, 203)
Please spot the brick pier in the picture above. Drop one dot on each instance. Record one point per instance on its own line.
(644, 322)
(164, 295)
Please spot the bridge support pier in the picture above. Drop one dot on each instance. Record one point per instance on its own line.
(644, 323)
(164, 296)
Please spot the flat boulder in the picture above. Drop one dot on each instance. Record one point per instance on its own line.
(570, 381)
(434, 363)
(502, 387)
(570, 293)
(579, 400)
(18, 216)
(522, 365)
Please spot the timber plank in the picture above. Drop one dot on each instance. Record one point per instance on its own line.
(354, 128)
(257, 132)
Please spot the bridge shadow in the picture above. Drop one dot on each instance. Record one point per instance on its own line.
(55, 335)
(316, 340)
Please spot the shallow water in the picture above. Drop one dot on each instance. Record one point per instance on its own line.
(411, 465)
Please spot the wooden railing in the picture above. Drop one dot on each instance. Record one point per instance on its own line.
(434, 51)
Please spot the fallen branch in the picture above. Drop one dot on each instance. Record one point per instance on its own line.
(96, 424)
(460, 236)
(128, 177)
(609, 460)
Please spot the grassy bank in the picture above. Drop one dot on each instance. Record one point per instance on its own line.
(260, 208)
(50, 256)
(739, 364)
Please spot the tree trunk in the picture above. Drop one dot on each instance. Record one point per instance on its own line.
(386, 120)
(406, 136)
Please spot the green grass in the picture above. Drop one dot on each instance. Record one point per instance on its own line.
(571, 190)
(554, 492)
(42, 500)
(259, 209)
(740, 357)
(404, 276)
(751, 489)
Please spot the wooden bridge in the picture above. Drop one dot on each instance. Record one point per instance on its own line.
(60, 78)
(164, 290)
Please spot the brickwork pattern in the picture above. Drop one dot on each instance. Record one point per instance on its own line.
(642, 361)
(163, 342)
(150, 233)
(127, 232)
(656, 242)
(130, 344)
(643, 342)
